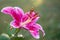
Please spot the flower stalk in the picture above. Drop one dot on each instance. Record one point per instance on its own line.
(16, 32)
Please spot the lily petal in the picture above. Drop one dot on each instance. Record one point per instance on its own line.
(40, 28)
(15, 24)
(15, 12)
(33, 30)
(35, 34)
(24, 18)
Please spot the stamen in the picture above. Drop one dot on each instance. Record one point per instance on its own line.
(36, 15)
(31, 11)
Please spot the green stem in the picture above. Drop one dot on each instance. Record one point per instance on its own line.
(16, 32)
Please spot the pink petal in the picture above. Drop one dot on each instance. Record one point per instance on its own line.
(35, 34)
(25, 17)
(15, 12)
(15, 24)
(7, 10)
(33, 30)
(35, 20)
(40, 28)
(19, 11)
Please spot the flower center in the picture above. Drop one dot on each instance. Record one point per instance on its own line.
(26, 22)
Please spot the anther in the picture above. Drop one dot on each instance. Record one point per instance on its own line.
(31, 11)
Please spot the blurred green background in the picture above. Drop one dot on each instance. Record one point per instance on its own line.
(49, 11)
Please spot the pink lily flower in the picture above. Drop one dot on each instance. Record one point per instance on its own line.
(26, 21)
